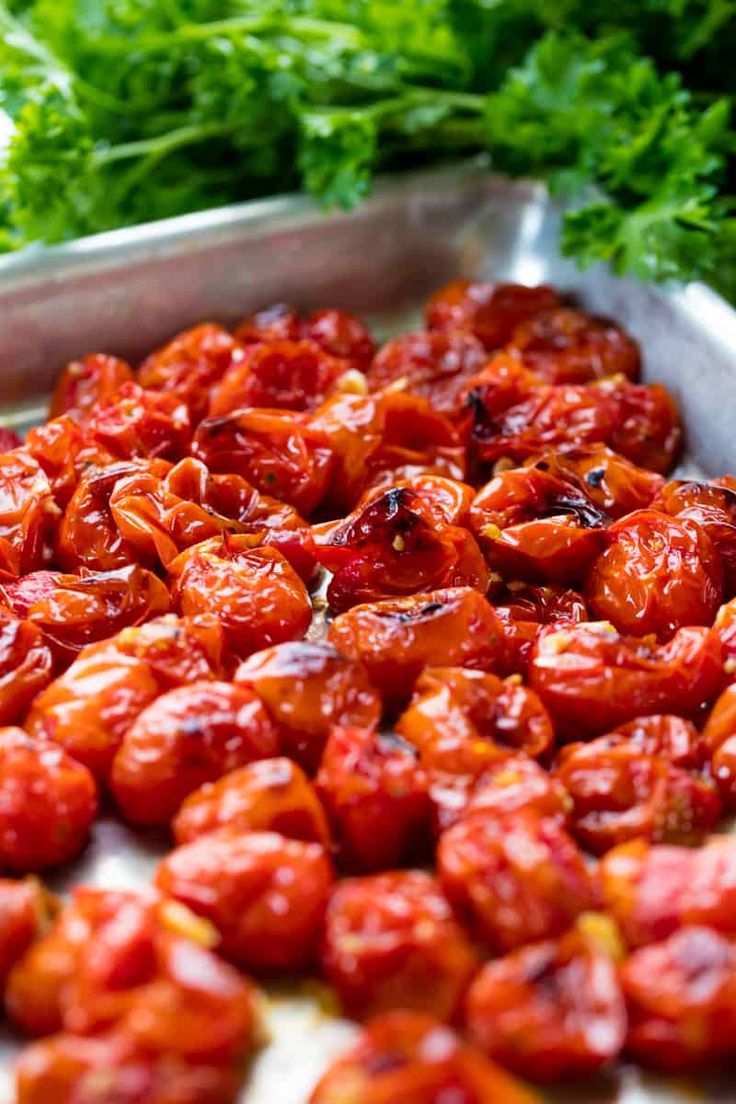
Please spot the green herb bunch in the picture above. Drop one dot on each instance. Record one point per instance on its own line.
(114, 112)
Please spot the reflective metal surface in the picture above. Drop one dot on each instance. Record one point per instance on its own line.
(127, 291)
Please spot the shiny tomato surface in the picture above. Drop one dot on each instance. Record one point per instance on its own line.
(85, 383)
(570, 346)
(490, 311)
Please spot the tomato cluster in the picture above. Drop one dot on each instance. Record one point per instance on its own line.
(428, 672)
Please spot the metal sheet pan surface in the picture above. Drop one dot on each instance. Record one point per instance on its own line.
(126, 291)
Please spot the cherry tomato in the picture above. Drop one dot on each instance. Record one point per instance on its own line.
(26, 666)
(725, 627)
(620, 792)
(65, 452)
(667, 736)
(410, 1058)
(351, 427)
(552, 1009)
(490, 311)
(681, 999)
(269, 795)
(187, 737)
(656, 575)
(278, 322)
(415, 434)
(26, 910)
(447, 500)
(394, 545)
(391, 941)
(178, 650)
(533, 526)
(398, 637)
(517, 784)
(254, 591)
(434, 365)
(719, 736)
(190, 364)
(279, 452)
(135, 422)
(265, 894)
(9, 439)
(712, 506)
(654, 889)
(48, 801)
(28, 514)
(610, 481)
(524, 608)
(85, 383)
(591, 679)
(75, 610)
(375, 795)
(307, 688)
(338, 332)
(89, 535)
(569, 346)
(517, 879)
(279, 375)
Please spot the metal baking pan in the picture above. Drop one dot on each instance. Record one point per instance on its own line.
(127, 291)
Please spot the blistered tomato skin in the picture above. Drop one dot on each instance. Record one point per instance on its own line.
(533, 526)
(619, 792)
(515, 880)
(609, 480)
(524, 608)
(308, 687)
(48, 800)
(552, 1009)
(85, 383)
(434, 365)
(277, 375)
(712, 506)
(518, 784)
(681, 999)
(26, 666)
(254, 591)
(26, 909)
(28, 514)
(264, 893)
(657, 575)
(591, 679)
(391, 941)
(375, 795)
(337, 332)
(447, 500)
(65, 452)
(719, 736)
(569, 346)
(187, 737)
(138, 423)
(396, 638)
(190, 364)
(269, 795)
(490, 311)
(412, 1058)
(394, 545)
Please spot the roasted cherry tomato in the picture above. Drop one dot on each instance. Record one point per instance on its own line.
(517, 784)
(398, 637)
(719, 736)
(391, 941)
(278, 375)
(434, 365)
(264, 893)
(159, 514)
(656, 575)
(190, 364)
(653, 889)
(447, 500)
(713, 507)
(667, 736)
(569, 346)
(48, 803)
(591, 679)
(533, 526)
(516, 879)
(415, 435)
(135, 422)
(65, 452)
(410, 1058)
(278, 322)
(85, 383)
(338, 332)
(524, 608)
(552, 1009)
(73, 1069)
(308, 687)
(270, 795)
(89, 535)
(28, 514)
(187, 737)
(75, 610)
(619, 792)
(375, 795)
(277, 451)
(26, 666)
(178, 650)
(26, 913)
(395, 545)
(490, 311)
(254, 591)
(351, 427)
(9, 439)
(139, 964)
(609, 480)
(681, 1000)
